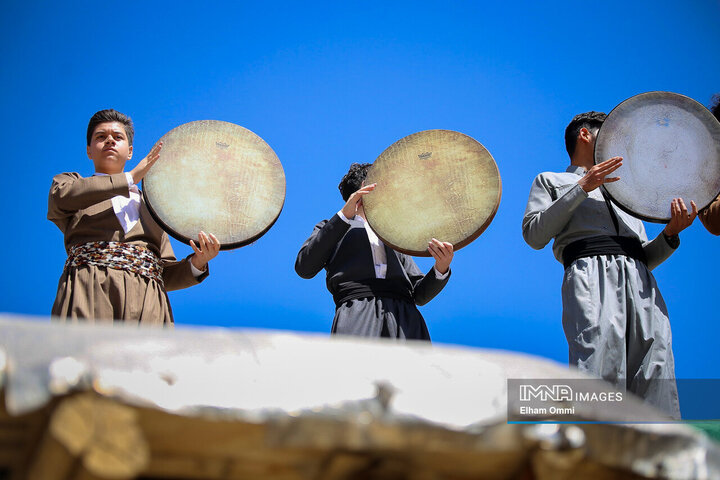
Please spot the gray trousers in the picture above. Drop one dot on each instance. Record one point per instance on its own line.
(380, 317)
(617, 328)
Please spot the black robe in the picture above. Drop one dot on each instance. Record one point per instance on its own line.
(365, 305)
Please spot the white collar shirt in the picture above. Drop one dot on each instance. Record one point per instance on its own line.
(127, 209)
(376, 245)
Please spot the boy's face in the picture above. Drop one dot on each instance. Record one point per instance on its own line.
(109, 148)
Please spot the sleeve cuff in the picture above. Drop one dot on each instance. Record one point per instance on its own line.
(672, 241)
(196, 273)
(579, 191)
(343, 217)
(440, 276)
(131, 184)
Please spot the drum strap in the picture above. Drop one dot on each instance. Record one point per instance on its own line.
(373, 287)
(604, 245)
(613, 215)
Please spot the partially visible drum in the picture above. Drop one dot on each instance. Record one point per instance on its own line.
(435, 183)
(217, 177)
(670, 146)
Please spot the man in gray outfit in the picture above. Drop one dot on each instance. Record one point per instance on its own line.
(614, 318)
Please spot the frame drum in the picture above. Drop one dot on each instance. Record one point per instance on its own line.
(435, 183)
(670, 146)
(217, 177)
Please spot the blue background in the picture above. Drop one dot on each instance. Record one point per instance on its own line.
(327, 84)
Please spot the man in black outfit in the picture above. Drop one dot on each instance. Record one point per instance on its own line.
(375, 288)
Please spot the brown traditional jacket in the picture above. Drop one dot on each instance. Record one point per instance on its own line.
(82, 209)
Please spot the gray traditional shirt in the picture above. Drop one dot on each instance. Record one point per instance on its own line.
(559, 208)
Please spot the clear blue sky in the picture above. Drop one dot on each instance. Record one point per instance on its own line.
(327, 84)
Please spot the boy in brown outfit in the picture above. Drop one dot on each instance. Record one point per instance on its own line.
(120, 263)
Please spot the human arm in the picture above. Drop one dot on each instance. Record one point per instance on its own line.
(319, 247)
(426, 287)
(598, 174)
(143, 167)
(205, 250)
(354, 202)
(182, 274)
(70, 193)
(548, 210)
(551, 204)
(661, 247)
(680, 218)
(443, 254)
(710, 217)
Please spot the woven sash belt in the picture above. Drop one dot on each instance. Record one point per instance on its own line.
(136, 259)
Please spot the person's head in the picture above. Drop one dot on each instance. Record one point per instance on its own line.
(715, 107)
(590, 121)
(109, 141)
(353, 179)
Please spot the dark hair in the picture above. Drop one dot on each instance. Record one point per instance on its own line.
(352, 181)
(591, 120)
(715, 108)
(110, 115)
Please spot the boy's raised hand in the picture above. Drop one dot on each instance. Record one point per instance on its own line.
(352, 203)
(142, 168)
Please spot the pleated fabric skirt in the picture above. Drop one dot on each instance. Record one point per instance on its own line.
(98, 294)
(380, 317)
(617, 327)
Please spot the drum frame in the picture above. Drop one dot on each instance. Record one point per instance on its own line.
(186, 240)
(597, 161)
